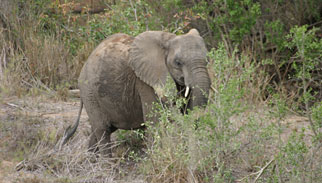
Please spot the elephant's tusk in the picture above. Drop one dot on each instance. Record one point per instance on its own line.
(187, 92)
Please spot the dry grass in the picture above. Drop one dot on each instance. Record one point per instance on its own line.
(31, 129)
(73, 163)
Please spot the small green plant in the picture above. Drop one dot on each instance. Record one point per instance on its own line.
(307, 57)
(317, 114)
(275, 31)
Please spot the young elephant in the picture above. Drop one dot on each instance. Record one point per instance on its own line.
(124, 75)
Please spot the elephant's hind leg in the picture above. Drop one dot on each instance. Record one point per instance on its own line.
(100, 124)
(100, 140)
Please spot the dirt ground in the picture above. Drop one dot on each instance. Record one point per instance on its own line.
(47, 110)
(20, 117)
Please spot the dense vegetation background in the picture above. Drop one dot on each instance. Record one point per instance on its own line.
(260, 52)
(45, 42)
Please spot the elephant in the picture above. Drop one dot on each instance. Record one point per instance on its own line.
(125, 75)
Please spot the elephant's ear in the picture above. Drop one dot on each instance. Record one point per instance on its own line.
(147, 57)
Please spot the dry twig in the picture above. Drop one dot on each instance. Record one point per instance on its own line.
(258, 173)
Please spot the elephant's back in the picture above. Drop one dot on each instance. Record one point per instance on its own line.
(116, 45)
(114, 48)
(110, 54)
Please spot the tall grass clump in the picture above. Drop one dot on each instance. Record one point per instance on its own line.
(37, 49)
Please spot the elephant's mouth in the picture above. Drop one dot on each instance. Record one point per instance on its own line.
(183, 90)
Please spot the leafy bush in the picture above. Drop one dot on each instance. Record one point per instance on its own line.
(306, 60)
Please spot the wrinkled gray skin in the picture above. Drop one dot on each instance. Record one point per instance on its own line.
(121, 79)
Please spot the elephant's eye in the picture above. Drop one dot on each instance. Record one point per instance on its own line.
(178, 63)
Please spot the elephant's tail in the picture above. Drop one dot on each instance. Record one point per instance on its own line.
(69, 132)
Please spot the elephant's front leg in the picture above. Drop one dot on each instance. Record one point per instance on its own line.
(148, 97)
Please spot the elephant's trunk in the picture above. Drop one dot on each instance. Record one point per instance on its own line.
(200, 86)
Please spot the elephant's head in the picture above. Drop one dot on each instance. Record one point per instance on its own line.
(155, 54)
